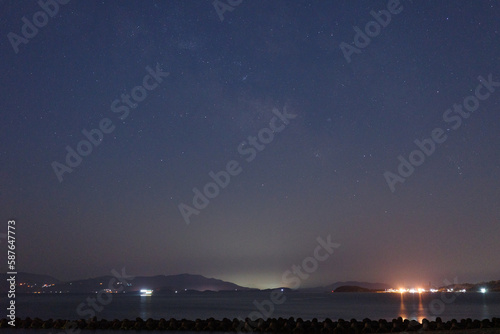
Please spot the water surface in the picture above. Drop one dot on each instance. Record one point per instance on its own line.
(241, 304)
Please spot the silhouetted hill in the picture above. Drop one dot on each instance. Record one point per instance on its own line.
(159, 283)
(365, 285)
(183, 282)
(492, 286)
(350, 288)
(26, 282)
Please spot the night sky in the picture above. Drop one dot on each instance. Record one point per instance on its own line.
(180, 89)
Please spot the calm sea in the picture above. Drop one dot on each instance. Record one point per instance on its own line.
(241, 304)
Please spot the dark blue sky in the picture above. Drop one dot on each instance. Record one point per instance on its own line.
(321, 174)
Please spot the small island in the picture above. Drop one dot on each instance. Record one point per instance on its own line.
(352, 288)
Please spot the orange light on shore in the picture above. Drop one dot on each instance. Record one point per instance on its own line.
(418, 290)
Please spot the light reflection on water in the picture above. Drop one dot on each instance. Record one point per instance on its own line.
(415, 306)
(486, 313)
(145, 307)
(415, 310)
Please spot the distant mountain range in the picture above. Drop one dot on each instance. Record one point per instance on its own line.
(350, 288)
(26, 282)
(29, 278)
(182, 283)
(32, 283)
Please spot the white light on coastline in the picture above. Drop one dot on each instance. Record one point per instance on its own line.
(483, 290)
(145, 292)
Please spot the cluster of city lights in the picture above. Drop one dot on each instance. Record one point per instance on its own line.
(412, 290)
(420, 290)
